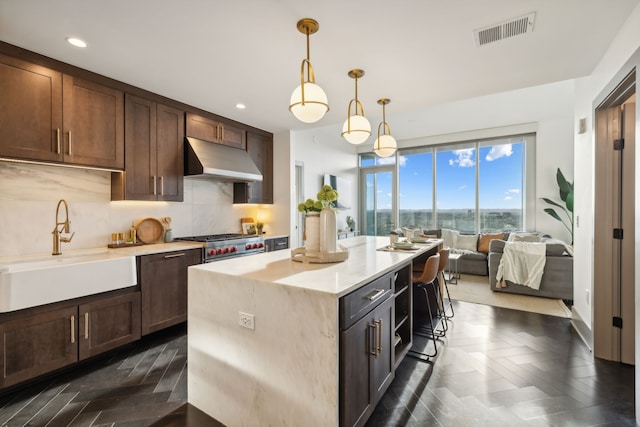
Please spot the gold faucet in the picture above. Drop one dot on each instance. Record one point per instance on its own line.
(66, 225)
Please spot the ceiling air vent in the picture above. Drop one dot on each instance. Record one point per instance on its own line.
(503, 30)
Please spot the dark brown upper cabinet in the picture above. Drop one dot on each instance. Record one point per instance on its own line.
(83, 127)
(212, 130)
(154, 162)
(260, 148)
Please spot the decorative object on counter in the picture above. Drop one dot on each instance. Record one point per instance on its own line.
(248, 226)
(133, 235)
(259, 227)
(393, 237)
(351, 223)
(308, 101)
(149, 230)
(301, 255)
(385, 144)
(320, 230)
(356, 128)
(168, 233)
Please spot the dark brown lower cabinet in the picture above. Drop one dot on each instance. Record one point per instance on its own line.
(163, 283)
(43, 339)
(108, 323)
(367, 363)
(36, 344)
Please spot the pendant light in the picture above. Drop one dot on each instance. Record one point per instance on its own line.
(308, 101)
(385, 144)
(356, 129)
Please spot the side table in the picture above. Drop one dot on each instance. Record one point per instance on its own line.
(452, 268)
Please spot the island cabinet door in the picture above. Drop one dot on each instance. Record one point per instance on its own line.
(366, 364)
(37, 344)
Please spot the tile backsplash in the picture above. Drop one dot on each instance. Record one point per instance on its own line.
(29, 194)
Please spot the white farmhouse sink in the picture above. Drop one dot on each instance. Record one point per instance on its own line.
(37, 281)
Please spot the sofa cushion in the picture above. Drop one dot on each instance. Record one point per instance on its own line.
(473, 256)
(552, 249)
(484, 239)
(468, 242)
(524, 237)
(449, 238)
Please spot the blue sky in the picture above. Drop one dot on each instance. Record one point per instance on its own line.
(500, 168)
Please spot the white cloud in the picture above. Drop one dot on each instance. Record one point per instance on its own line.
(508, 198)
(462, 187)
(464, 159)
(402, 160)
(513, 191)
(497, 151)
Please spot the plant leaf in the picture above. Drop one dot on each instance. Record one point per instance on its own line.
(569, 201)
(551, 202)
(564, 186)
(553, 213)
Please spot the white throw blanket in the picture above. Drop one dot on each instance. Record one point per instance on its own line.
(522, 263)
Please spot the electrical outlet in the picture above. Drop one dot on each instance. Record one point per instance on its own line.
(246, 320)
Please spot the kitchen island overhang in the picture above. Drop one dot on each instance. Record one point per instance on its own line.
(285, 371)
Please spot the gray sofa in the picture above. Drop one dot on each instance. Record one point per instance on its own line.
(557, 277)
(469, 262)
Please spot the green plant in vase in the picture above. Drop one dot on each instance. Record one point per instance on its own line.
(565, 189)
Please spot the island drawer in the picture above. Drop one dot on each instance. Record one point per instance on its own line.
(364, 299)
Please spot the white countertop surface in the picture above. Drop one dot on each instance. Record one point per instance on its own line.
(365, 262)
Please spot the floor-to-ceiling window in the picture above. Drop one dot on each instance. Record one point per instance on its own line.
(471, 186)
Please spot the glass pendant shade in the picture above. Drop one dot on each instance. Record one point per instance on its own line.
(313, 107)
(385, 146)
(356, 129)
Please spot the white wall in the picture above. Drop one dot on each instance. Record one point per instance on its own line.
(325, 152)
(29, 195)
(587, 90)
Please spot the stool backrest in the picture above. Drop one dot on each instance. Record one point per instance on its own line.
(430, 269)
(444, 259)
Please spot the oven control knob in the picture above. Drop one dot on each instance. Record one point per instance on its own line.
(255, 246)
(212, 252)
(219, 251)
(248, 246)
(226, 250)
(261, 245)
(233, 249)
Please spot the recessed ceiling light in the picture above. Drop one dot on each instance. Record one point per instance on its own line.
(76, 42)
(240, 106)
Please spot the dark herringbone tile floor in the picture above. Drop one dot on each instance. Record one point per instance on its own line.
(496, 367)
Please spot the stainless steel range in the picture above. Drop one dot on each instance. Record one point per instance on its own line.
(223, 246)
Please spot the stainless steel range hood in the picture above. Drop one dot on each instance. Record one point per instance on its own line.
(208, 160)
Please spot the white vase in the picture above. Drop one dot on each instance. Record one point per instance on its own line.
(312, 233)
(328, 231)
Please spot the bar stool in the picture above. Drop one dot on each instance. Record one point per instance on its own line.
(425, 281)
(444, 262)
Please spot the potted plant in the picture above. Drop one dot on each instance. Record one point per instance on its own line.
(565, 189)
(351, 223)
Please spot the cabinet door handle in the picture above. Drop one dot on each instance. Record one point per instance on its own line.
(379, 326)
(372, 338)
(86, 326)
(58, 141)
(73, 329)
(162, 186)
(377, 294)
(70, 153)
(155, 193)
(221, 132)
(174, 255)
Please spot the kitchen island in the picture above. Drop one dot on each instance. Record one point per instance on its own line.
(265, 332)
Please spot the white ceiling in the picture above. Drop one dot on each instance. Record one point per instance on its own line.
(213, 54)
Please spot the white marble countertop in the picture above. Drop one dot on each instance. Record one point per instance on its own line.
(365, 263)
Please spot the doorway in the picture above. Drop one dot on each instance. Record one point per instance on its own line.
(377, 186)
(614, 229)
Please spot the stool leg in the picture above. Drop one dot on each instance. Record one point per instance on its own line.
(446, 288)
(417, 354)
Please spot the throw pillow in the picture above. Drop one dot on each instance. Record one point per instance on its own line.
(467, 242)
(449, 238)
(483, 241)
(532, 238)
